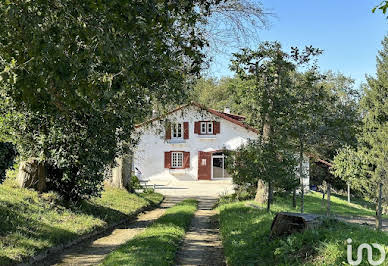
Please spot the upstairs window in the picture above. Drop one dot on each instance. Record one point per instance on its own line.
(206, 128)
(177, 131)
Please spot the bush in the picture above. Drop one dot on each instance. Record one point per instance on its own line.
(7, 157)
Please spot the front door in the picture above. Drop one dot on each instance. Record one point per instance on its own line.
(204, 165)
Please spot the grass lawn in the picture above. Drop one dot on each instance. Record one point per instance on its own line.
(245, 237)
(339, 205)
(158, 244)
(313, 204)
(30, 222)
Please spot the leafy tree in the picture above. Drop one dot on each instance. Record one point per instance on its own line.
(77, 76)
(218, 94)
(383, 6)
(370, 158)
(275, 99)
(262, 161)
(7, 157)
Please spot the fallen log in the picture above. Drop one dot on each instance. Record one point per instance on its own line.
(286, 223)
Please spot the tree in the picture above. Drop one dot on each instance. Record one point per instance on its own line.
(262, 161)
(76, 78)
(383, 6)
(370, 157)
(7, 157)
(341, 125)
(280, 95)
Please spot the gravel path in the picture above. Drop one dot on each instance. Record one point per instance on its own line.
(363, 220)
(202, 245)
(93, 252)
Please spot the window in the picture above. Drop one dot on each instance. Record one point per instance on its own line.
(177, 159)
(206, 128)
(209, 128)
(177, 131)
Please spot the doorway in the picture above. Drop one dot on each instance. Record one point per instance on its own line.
(219, 166)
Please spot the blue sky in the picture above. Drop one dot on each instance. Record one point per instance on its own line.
(348, 32)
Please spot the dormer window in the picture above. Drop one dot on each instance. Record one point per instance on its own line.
(206, 128)
(177, 131)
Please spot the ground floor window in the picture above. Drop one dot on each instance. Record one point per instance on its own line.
(177, 159)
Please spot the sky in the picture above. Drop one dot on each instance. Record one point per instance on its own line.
(348, 32)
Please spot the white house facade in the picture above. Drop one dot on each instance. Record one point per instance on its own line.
(188, 143)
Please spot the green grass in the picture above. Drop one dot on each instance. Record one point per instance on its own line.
(313, 204)
(158, 244)
(245, 236)
(30, 222)
(339, 205)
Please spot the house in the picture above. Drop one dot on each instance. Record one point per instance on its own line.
(188, 143)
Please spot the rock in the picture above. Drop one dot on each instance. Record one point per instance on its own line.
(32, 174)
(286, 223)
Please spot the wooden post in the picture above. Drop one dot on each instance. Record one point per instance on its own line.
(328, 199)
(269, 198)
(348, 193)
(294, 198)
(379, 220)
(301, 176)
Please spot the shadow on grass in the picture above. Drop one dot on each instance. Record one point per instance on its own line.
(30, 223)
(26, 236)
(313, 204)
(245, 234)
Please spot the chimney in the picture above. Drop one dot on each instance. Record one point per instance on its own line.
(227, 110)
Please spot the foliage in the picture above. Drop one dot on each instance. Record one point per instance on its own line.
(262, 161)
(383, 6)
(245, 230)
(219, 94)
(7, 157)
(159, 243)
(369, 160)
(76, 78)
(341, 125)
(31, 222)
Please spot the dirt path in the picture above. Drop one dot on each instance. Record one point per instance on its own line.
(93, 252)
(202, 245)
(363, 220)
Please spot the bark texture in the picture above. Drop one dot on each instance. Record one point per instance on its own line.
(32, 174)
(121, 174)
(261, 192)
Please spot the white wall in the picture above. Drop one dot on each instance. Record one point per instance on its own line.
(149, 154)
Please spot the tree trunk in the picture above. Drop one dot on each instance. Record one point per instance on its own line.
(323, 199)
(348, 193)
(294, 198)
(269, 200)
(328, 199)
(32, 174)
(301, 176)
(261, 192)
(121, 174)
(379, 210)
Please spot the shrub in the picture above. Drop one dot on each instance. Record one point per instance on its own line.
(7, 157)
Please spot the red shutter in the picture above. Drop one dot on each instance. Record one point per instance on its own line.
(196, 127)
(168, 131)
(167, 159)
(186, 159)
(185, 130)
(217, 127)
